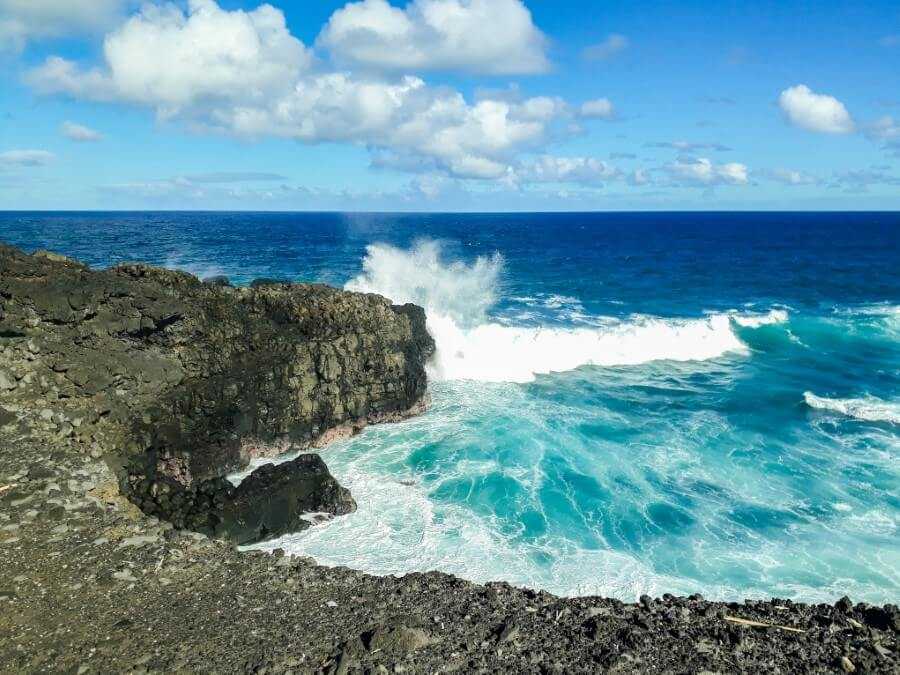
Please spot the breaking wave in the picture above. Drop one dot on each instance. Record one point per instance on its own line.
(868, 409)
(756, 320)
(458, 296)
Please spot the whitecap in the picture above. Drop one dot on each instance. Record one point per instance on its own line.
(751, 320)
(869, 408)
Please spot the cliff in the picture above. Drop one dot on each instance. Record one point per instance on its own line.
(177, 382)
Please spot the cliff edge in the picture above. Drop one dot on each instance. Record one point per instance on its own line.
(177, 382)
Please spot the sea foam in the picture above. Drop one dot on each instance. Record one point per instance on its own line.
(457, 297)
(868, 409)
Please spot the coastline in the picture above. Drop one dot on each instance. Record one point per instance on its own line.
(91, 584)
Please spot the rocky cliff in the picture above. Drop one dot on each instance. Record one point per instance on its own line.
(177, 382)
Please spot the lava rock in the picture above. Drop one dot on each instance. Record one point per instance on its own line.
(274, 499)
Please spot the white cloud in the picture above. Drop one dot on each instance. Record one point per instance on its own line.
(80, 133)
(815, 112)
(170, 60)
(601, 108)
(704, 172)
(611, 46)
(551, 169)
(885, 129)
(687, 146)
(887, 132)
(890, 41)
(26, 158)
(243, 73)
(638, 177)
(25, 20)
(788, 176)
(485, 36)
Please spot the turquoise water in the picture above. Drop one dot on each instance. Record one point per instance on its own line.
(622, 403)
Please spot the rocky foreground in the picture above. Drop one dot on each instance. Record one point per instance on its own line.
(127, 394)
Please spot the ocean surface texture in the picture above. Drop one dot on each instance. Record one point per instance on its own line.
(622, 403)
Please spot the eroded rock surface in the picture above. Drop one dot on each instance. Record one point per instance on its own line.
(177, 382)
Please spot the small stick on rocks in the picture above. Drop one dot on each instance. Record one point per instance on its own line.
(760, 624)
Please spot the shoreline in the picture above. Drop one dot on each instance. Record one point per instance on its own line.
(91, 583)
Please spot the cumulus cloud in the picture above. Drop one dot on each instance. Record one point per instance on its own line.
(601, 108)
(80, 133)
(551, 169)
(611, 46)
(171, 60)
(484, 36)
(24, 20)
(815, 112)
(243, 73)
(703, 171)
(26, 158)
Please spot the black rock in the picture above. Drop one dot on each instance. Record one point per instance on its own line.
(273, 500)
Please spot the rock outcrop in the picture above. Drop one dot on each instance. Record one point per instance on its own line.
(177, 382)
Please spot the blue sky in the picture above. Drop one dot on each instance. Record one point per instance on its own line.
(449, 105)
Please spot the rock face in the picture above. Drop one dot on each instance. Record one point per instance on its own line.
(178, 382)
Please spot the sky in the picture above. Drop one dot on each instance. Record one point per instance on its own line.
(450, 105)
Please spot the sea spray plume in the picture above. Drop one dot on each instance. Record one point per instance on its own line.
(461, 292)
(457, 296)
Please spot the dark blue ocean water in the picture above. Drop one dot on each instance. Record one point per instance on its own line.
(623, 403)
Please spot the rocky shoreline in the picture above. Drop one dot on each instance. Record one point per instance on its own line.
(127, 394)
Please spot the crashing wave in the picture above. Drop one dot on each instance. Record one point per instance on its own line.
(457, 296)
(868, 409)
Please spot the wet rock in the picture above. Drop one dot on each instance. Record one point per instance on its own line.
(274, 499)
(217, 280)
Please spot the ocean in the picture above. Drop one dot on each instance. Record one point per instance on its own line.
(622, 403)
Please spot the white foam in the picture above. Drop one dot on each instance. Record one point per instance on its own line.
(399, 529)
(457, 297)
(869, 409)
(495, 353)
(756, 320)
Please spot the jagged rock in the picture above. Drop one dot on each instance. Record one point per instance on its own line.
(181, 382)
(273, 500)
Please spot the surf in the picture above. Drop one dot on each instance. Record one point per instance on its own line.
(458, 297)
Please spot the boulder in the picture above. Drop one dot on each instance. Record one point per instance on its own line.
(274, 499)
